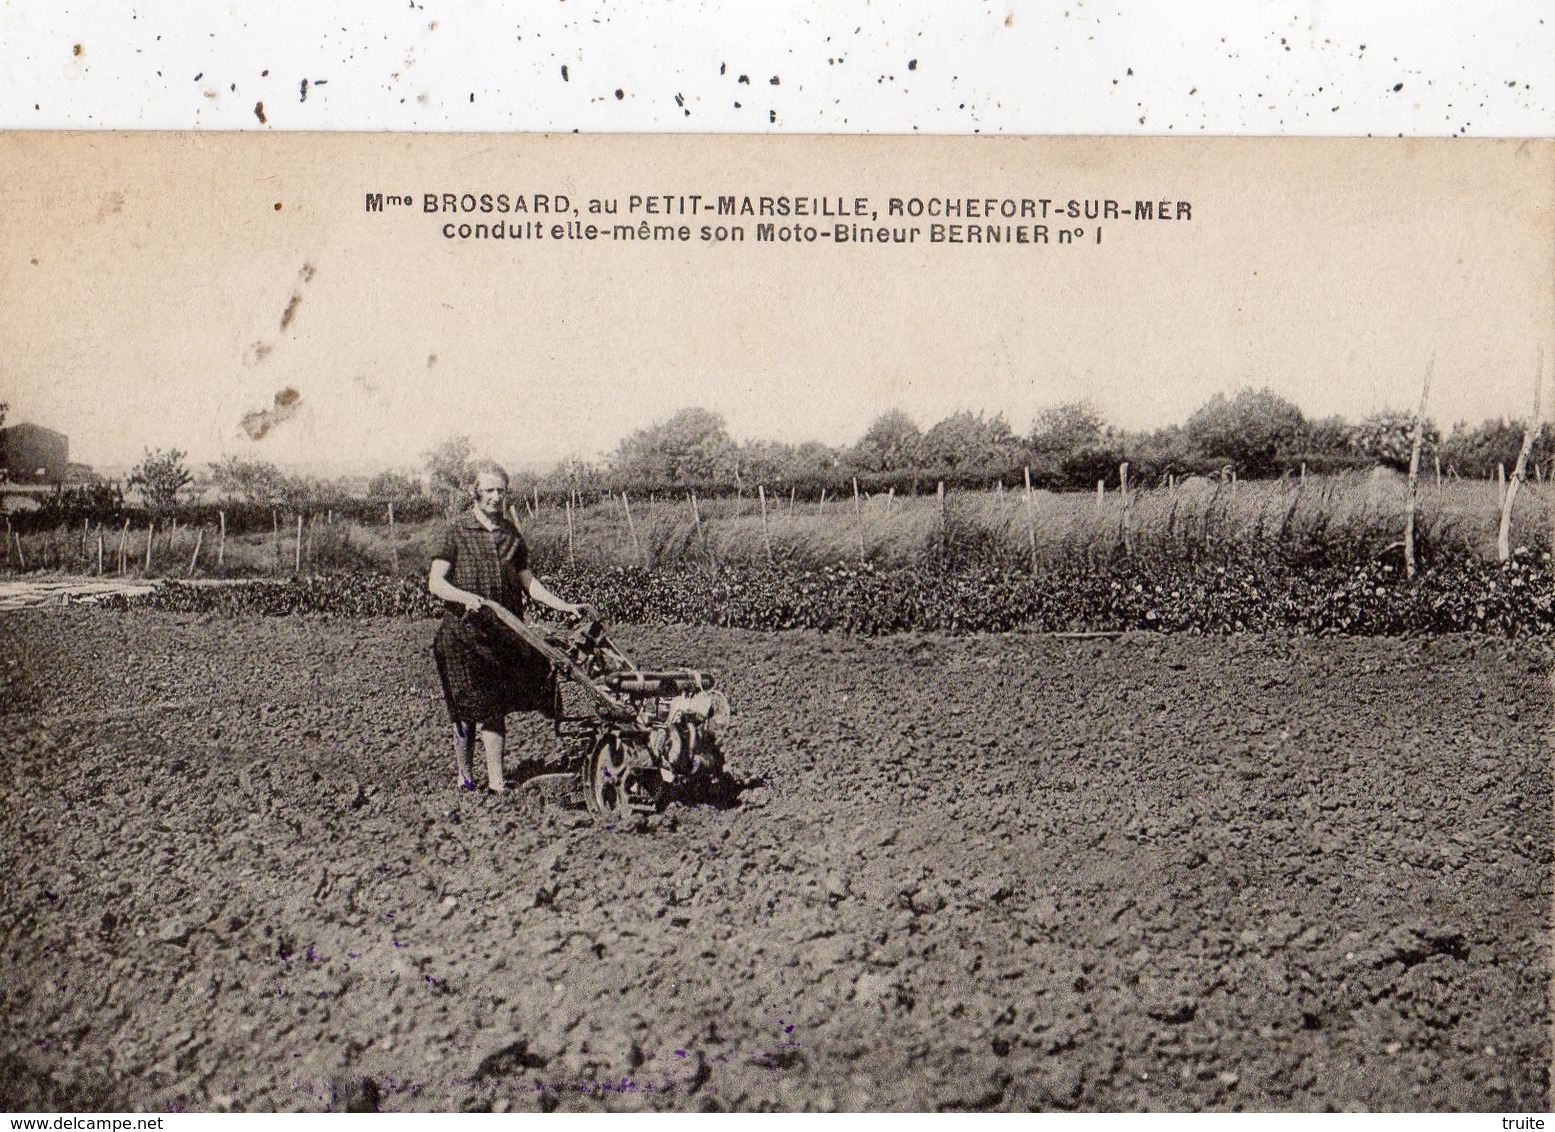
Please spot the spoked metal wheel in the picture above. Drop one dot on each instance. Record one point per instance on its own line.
(606, 778)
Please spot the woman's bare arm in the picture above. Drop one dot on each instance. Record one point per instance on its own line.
(439, 586)
(536, 590)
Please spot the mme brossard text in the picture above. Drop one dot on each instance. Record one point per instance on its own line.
(778, 218)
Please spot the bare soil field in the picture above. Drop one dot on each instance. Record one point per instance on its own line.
(985, 872)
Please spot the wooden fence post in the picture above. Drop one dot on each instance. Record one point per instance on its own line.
(221, 542)
(1501, 486)
(297, 549)
(1101, 493)
(99, 550)
(1031, 524)
(1414, 472)
(943, 533)
(124, 543)
(766, 535)
(275, 523)
(1520, 472)
(151, 527)
(194, 559)
(696, 520)
(21, 555)
(570, 558)
(632, 528)
(858, 519)
(394, 546)
(822, 509)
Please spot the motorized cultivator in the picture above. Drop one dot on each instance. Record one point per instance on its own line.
(642, 738)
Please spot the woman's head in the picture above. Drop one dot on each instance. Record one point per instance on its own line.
(489, 487)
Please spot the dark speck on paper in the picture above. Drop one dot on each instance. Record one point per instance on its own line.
(1398, 87)
(260, 421)
(200, 76)
(620, 94)
(259, 112)
(775, 80)
(76, 50)
(912, 64)
(564, 73)
(304, 89)
(746, 79)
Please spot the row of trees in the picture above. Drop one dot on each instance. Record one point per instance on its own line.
(1255, 432)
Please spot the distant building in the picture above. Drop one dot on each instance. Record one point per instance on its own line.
(30, 453)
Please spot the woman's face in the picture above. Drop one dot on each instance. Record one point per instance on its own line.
(490, 491)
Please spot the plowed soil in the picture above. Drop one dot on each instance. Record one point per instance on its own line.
(987, 872)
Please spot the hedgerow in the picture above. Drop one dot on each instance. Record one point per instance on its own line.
(1205, 596)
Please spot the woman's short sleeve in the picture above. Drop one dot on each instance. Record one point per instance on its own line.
(449, 550)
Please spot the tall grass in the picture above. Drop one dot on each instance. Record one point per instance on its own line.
(1330, 520)
(1322, 521)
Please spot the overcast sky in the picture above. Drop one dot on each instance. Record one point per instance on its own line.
(161, 290)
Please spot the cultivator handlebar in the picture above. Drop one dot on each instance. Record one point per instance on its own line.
(567, 665)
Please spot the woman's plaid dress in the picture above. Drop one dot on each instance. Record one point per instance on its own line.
(485, 670)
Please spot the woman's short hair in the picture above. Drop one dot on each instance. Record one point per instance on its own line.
(487, 468)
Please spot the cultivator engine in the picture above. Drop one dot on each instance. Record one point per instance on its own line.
(642, 737)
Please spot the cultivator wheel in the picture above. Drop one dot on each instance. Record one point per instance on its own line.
(605, 778)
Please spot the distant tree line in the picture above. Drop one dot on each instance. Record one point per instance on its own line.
(1255, 432)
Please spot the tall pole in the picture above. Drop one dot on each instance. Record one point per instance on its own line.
(766, 535)
(858, 519)
(1520, 472)
(1415, 443)
(1031, 524)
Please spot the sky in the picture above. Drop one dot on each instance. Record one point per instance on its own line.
(232, 295)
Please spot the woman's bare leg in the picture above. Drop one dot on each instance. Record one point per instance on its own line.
(493, 739)
(464, 747)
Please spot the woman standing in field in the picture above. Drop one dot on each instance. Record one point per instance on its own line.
(485, 671)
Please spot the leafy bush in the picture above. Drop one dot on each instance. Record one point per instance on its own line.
(1205, 596)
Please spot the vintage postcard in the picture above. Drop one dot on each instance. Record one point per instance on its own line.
(505, 623)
